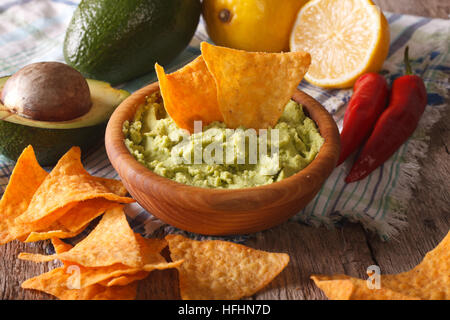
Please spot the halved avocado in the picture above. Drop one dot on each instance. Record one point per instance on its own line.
(51, 139)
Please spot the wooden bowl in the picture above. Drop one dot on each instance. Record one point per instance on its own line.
(221, 211)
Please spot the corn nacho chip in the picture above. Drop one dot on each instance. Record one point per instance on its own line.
(222, 270)
(108, 252)
(124, 280)
(67, 184)
(60, 246)
(189, 94)
(122, 275)
(254, 87)
(25, 179)
(341, 287)
(74, 221)
(117, 274)
(115, 186)
(56, 232)
(57, 282)
(430, 280)
(151, 260)
(89, 276)
(112, 241)
(93, 277)
(84, 212)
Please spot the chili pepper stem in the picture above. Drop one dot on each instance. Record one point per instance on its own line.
(407, 62)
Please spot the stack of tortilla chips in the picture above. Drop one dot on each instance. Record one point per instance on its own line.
(107, 263)
(104, 265)
(38, 205)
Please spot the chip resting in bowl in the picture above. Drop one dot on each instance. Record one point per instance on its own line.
(190, 94)
(254, 87)
(240, 88)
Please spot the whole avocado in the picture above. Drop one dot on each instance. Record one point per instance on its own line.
(118, 40)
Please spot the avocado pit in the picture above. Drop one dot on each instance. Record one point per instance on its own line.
(47, 91)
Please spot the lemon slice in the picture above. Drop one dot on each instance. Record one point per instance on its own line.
(345, 38)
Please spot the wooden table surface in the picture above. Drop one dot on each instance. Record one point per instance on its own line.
(348, 250)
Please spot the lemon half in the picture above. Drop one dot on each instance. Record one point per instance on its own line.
(346, 38)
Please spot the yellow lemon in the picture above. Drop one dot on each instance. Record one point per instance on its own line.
(346, 38)
(252, 25)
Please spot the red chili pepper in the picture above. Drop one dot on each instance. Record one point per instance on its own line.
(396, 124)
(369, 99)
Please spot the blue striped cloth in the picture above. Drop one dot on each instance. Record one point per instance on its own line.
(32, 31)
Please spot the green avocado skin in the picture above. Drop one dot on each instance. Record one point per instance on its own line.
(48, 144)
(118, 40)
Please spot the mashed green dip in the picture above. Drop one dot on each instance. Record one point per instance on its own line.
(218, 157)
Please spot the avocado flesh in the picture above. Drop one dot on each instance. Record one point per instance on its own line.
(51, 140)
(118, 40)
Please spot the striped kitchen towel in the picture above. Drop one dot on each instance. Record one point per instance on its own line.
(32, 31)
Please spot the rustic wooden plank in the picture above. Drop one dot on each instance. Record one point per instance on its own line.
(429, 213)
(312, 251)
(430, 8)
(14, 271)
(160, 284)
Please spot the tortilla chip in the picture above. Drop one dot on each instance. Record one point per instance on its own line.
(216, 269)
(124, 280)
(84, 212)
(74, 221)
(110, 275)
(68, 183)
(116, 274)
(111, 250)
(25, 179)
(57, 233)
(55, 282)
(429, 280)
(254, 87)
(189, 94)
(60, 246)
(120, 274)
(112, 241)
(115, 186)
(77, 217)
(150, 249)
(341, 287)
(90, 276)
(151, 259)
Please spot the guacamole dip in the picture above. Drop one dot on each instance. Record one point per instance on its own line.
(218, 157)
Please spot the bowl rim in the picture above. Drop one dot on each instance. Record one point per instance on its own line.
(118, 152)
